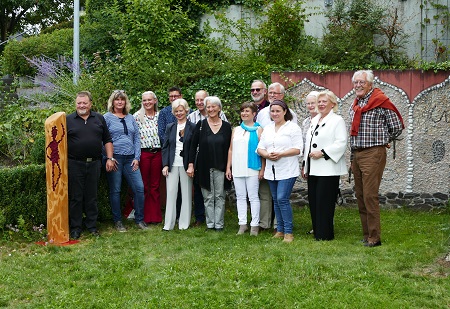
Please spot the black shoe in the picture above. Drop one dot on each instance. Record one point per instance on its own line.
(219, 229)
(208, 229)
(75, 234)
(373, 244)
(95, 233)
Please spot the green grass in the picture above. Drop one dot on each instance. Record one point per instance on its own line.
(199, 269)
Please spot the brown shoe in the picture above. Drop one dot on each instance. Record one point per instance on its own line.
(278, 235)
(288, 238)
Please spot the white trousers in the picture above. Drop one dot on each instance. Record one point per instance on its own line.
(178, 174)
(247, 186)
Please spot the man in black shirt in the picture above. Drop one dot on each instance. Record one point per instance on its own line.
(86, 134)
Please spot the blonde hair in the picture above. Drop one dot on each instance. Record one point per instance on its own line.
(331, 96)
(141, 112)
(119, 94)
(180, 102)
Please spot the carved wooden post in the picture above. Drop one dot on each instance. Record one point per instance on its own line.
(57, 178)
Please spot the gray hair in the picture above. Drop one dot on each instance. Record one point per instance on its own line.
(277, 84)
(368, 73)
(213, 100)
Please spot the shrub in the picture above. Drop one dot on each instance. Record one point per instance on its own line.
(24, 195)
(52, 45)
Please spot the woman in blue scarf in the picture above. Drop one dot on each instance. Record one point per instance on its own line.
(245, 167)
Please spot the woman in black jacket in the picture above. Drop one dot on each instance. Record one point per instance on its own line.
(177, 141)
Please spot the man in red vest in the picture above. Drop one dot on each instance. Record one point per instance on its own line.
(376, 122)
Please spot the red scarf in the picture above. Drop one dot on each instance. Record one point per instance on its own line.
(377, 99)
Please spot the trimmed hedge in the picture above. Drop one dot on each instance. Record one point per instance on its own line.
(24, 192)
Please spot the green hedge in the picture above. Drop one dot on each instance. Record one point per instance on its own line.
(24, 192)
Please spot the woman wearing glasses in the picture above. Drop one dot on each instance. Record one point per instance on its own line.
(175, 151)
(127, 152)
(324, 162)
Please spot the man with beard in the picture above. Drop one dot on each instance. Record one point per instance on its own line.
(86, 134)
(258, 92)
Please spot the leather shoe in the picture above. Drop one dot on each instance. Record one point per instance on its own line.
(197, 224)
(95, 233)
(372, 244)
(75, 234)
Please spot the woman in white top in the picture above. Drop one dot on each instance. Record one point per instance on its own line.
(324, 162)
(245, 167)
(281, 143)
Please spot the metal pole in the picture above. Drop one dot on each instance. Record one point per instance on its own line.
(76, 40)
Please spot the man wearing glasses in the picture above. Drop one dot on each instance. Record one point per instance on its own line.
(165, 115)
(376, 122)
(276, 92)
(258, 92)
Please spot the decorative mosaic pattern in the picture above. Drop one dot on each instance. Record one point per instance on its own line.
(422, 161)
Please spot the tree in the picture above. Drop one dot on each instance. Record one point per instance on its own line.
(18, 15)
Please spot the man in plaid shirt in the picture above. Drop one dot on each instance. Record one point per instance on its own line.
(376, 122)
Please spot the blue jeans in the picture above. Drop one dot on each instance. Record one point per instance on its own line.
(281, 192)
(134, 181)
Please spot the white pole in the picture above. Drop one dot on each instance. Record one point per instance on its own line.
(76, 40)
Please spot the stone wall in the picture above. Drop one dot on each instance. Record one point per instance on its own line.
(419, 176)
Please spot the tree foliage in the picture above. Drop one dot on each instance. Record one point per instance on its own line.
(16, 15)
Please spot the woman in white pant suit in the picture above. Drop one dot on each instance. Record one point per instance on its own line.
(324, 162)
(177, 141)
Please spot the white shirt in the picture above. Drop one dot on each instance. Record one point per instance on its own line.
(288, 136)
(263, 117)
(178, 161)
(239, 157)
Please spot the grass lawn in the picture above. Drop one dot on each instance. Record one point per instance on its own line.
(199, 269)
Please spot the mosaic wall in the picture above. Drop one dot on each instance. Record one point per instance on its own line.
(420, 172)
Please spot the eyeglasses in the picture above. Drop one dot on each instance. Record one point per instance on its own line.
(255, 90)
(274, 93)
(359, 82)
(125, 129)
(175, 96)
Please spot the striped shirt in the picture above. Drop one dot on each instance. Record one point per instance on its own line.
(378, 127)
(124, 144)
(148, 131)
(195, 117)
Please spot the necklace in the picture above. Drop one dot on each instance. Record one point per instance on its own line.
(150, 117)
(214, 124)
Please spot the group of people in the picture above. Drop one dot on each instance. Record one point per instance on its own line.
(199, 153)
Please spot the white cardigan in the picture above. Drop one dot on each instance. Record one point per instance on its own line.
(331, 136)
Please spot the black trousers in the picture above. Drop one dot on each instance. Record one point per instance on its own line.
(83, 185)
(322, 195)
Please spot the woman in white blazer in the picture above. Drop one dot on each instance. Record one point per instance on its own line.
(324, 162)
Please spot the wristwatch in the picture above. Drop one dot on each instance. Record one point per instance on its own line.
(112, 159)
